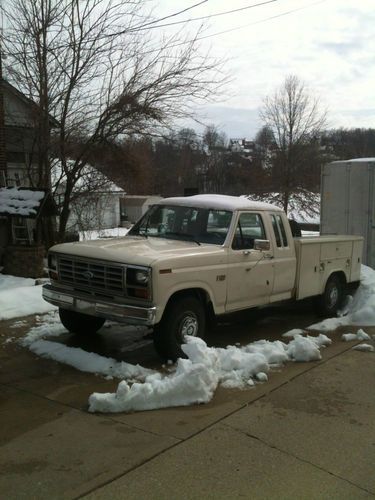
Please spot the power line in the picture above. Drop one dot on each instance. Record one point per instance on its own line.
(143, 26)
(259, 22)
(241, 27)
(210, 15)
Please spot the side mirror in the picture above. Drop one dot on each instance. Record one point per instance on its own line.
(262, 245)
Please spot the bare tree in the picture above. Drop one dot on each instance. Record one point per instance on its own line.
(94, 66)
(214, 165)
(294, 117)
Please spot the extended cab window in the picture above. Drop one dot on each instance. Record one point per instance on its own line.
(279, 231)
(249, 228)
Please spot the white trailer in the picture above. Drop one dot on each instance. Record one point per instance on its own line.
(348, 202)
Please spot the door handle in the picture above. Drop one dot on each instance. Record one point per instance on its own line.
(268, 256)
(246, 252)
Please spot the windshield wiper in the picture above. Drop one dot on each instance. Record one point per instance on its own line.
(183, 236)
(192, 238)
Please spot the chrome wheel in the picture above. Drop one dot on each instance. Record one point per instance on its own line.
(333, 297)
(189, 325)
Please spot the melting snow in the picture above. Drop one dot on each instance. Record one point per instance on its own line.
(364, 348)
(19, 297)
(360, 335)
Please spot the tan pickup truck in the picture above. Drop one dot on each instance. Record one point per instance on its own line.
(188, 260)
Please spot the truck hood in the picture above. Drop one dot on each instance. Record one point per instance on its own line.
(135, 250)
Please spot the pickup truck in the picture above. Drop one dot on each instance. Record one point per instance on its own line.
(191, 259)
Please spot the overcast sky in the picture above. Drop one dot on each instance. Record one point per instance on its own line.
(329, 44)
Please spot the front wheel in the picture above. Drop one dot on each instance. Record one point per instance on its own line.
(80, 323)
(184, 316)
(332, 298)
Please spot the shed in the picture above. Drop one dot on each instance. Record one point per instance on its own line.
(134, 206)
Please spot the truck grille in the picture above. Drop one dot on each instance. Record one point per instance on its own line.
(91, 274)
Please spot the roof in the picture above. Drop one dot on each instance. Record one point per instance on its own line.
(136, 200)
(29, 103)
(219, 202)
(25, 202)
(357, 160)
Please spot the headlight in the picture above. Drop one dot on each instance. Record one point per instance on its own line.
(52, 261)
(142, 277)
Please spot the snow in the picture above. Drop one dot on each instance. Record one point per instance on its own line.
(115, 232)
(88, 361)
(21, 297)
(14, 201)
(360, 310)
(364, 348)
(195, 379)
(218, 202)
(360, 335)
(358, 160)
(303, 207)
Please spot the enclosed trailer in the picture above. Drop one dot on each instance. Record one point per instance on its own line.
(348, 202)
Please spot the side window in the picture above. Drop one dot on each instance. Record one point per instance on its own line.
(249, 228)
(279, 231)
(276, 231)
(282, 229)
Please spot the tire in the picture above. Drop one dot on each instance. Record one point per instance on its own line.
(332, 298)
(183, 316)
(80, 323)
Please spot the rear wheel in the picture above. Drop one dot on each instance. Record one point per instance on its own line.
(184, 316)
(80, 323)
(332, 298)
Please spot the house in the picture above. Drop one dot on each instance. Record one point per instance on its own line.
(244, 147)
(18, 145)
(20, 136)
(95, 201)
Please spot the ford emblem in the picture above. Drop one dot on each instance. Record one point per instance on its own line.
(88, 275)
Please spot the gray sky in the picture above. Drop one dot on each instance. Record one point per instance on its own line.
(329, 44)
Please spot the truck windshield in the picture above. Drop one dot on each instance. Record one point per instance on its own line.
(201, 225)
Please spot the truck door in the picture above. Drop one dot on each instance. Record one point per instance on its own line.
(250, 272)
(284, 260)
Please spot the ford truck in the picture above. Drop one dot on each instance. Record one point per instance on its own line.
(191, 259)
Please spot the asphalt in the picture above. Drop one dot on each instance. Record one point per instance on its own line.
(308, 433)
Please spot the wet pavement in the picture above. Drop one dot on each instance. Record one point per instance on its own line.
(51, 447)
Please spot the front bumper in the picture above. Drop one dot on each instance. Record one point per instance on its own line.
(123, 313)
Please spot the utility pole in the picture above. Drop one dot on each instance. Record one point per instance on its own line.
(3, 160)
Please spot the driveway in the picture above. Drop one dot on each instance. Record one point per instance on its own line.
(307, 433)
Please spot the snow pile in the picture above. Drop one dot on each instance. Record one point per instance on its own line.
(364, 348)
(190, 383)
(88, 361)
(195, 379)
(74, 356)
(15, 201)
(360, 335)
(360, 310)
(19, 297)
